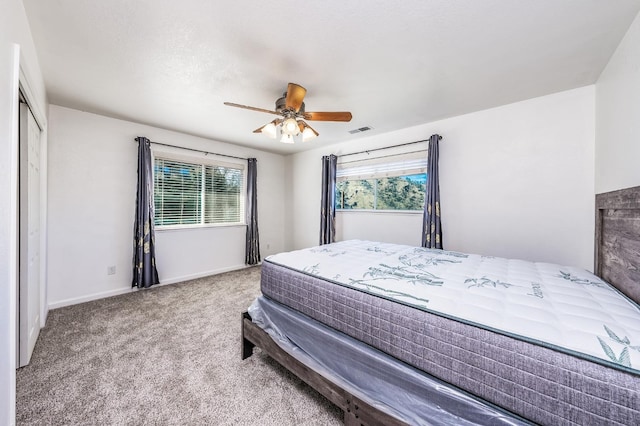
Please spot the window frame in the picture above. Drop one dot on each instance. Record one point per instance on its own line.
(203, 161)
(383, 161)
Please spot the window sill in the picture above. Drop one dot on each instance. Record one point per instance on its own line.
(198, 227)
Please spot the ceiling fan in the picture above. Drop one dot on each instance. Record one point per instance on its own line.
(291, 107)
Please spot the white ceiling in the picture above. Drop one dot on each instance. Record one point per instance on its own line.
(393, 64)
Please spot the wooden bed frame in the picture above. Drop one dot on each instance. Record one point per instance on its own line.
(356, 411)
(617, 261)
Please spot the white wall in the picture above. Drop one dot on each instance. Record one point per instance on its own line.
(288, 203)
(515, 181)
(398, 228)
(16, 51)
(618, 116)
(92, 179)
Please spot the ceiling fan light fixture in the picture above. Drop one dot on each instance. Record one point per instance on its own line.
(290, 127)
(308, 133)
(287, 138)
(270, 130)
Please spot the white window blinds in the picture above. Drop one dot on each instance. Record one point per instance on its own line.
(222, 195)
(188, 193)
(396, 165)
(177, 193)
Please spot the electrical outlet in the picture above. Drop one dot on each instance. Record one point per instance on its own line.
(111, 270)
(268, 246)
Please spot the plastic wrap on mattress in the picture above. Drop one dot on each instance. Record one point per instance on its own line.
(535, 382)
(373, 376)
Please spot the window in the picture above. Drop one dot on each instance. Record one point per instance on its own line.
(382, 184)
(188, 193)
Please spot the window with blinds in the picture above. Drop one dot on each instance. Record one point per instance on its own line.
(188, 193)
(395, 182)
(222, 194)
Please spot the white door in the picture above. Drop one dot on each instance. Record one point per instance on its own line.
(29, 252)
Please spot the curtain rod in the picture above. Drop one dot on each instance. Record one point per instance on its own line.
(385, 156)
(386, 147)
(196, 150)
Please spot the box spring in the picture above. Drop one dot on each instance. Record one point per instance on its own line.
(535, 382)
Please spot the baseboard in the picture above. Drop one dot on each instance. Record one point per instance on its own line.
(202, 274)
(89, 298)
(118, 292)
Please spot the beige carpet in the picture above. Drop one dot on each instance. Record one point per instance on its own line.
(165, 356)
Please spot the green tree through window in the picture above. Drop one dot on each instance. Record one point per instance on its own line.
(388, 193)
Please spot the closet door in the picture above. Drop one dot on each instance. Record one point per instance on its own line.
(29, 241)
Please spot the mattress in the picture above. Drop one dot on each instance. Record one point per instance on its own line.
(553, 344)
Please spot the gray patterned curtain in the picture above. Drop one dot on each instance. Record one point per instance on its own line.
(328, 199)
(431, 226)
(145, 273)
(252, 252)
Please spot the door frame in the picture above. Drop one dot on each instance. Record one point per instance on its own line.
(9, 77)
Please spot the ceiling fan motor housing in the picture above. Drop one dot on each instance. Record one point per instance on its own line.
(281, 105)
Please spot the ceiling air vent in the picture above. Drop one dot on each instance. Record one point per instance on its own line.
(361, 129)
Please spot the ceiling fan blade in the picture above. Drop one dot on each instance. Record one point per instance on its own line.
(259, 129)
(295, 95)
(252, 108)
(328, 116)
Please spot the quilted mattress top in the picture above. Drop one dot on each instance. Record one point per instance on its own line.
(560, 307)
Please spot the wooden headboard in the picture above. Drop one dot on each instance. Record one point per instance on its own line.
(617, 245)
